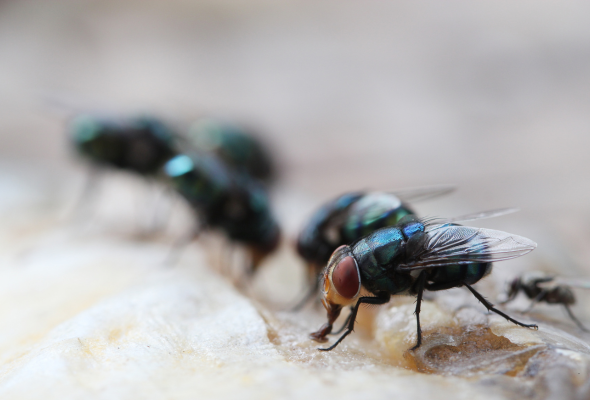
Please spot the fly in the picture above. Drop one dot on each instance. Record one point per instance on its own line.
(410, 257)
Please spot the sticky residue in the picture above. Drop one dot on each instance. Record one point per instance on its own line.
(467, 350)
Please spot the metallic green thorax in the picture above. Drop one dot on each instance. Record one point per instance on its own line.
(382, 251)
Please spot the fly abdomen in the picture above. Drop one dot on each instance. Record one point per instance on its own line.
(460, 273)
(477, 271)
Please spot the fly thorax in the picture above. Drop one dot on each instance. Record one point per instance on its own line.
(376, 256)
(368, 264)
(386, 244)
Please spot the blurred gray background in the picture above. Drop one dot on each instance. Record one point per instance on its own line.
(492, 96)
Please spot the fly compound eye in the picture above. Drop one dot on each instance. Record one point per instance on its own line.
(346, 278)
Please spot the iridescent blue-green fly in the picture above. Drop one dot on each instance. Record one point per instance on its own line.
(233, 203)
(141, 145)
(348, 218)
(410, 257)
(237, 146)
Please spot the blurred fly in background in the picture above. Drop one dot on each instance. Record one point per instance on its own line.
(219, 168)
(223, 170)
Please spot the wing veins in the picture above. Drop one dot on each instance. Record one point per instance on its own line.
(452, 244)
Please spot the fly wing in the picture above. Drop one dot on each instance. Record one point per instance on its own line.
(422, 193)
(484, 214)
(448, 244)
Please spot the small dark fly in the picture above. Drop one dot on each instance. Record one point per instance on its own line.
(348, 218)
(141, 145)
(540, 287)
(234, 145)
(410, 257)
(234, 203)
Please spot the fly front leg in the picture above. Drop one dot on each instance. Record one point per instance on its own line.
(421, 282)
(381, 298)
(345, 324)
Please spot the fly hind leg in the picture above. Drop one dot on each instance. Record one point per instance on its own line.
(491, 307)
(344, 325)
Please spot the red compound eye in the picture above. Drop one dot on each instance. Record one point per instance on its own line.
(346, 278)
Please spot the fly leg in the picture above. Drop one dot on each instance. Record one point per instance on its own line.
(344, 324)
(382, 298)
(490, 307)
(420, 289)
(573, 317)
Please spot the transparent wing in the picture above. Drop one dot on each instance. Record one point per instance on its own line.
(571, 282)
(455, 244)
(484, 214)
(423, 193)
